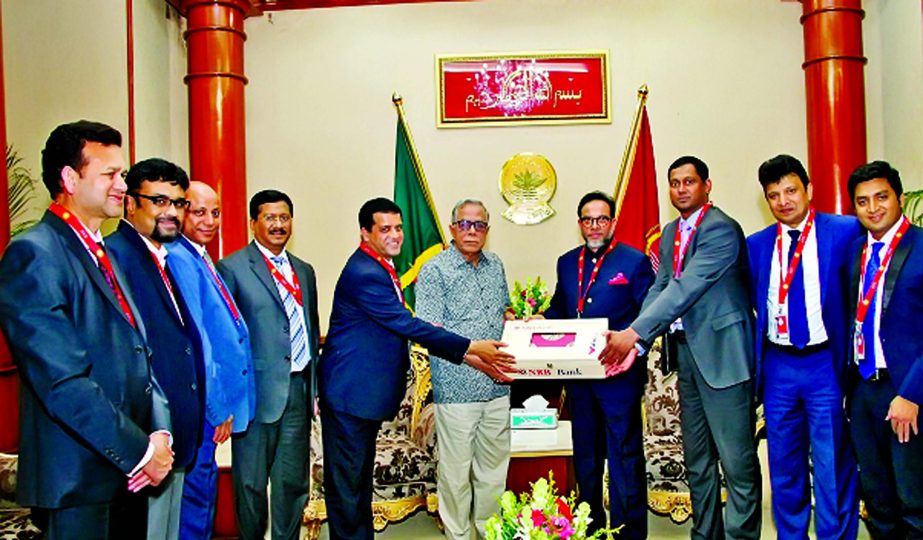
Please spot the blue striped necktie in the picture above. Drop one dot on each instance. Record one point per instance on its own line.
(867, 364)
(799, 334)
(296, 328)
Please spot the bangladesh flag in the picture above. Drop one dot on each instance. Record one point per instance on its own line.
(422, 233)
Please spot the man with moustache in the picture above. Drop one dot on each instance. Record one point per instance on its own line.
(230, 393)
(799, 273)
(887, 347)
(700, 299)
(364, 367)
(154, 209)
(463, 289)
(277, 296)
(90, 409)
(605, 278)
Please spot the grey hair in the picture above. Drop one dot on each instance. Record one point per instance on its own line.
(464, 202)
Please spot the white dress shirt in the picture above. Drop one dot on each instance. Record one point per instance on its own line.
(880, 362)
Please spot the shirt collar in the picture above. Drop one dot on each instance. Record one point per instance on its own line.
(200, 249)
(800, 226)
(270, 255)
(886, 239)
(690, 221)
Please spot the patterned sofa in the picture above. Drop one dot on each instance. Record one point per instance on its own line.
(405, 461)
(14, 520)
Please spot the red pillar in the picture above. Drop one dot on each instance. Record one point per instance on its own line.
(215, 77)
(9, 383)
(835, 94)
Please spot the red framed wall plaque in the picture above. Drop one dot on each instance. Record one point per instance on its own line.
(560, 87)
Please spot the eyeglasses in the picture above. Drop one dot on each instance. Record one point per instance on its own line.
(162, 201)
(281, 218)
(602, 221)
(466, 225)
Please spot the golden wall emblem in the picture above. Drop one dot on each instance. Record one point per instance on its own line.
(527, 183)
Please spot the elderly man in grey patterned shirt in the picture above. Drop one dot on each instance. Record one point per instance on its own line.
(464, 290)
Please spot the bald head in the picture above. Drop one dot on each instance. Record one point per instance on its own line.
(203, 218)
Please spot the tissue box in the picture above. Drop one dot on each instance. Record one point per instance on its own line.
(533, 419)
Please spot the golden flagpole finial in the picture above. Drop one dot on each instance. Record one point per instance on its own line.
(396, 98)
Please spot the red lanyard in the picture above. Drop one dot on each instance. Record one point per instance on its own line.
(796, 258)
(166, 281)
(863, 307)
(97, 252)
(224, 292)
(293, 288)
(581, 294)
(679, 255)
(386, 265)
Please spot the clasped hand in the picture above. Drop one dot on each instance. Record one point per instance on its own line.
(619, 353)
(485, 355)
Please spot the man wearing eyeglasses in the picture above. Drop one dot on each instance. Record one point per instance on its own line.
(277, 296)
(463, 289)
(154, 208)
(230, 393)
(604, 278)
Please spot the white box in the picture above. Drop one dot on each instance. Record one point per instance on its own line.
(556, 349)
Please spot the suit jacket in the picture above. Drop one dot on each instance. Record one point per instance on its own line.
(902, 304)
(174, 342)
(88, 399)
(230, 388)
(834, 236)
(254, 289)
(363, 370)
(711, 295)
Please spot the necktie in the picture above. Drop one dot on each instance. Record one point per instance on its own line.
(296, 329)
(867, 364)
(799, 334)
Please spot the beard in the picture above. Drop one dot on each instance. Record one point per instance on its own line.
(162, 236)
(597, 244)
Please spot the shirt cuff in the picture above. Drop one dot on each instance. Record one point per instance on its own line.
(149, 453)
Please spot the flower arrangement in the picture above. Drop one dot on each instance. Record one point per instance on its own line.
(540, 515)
(530, 300)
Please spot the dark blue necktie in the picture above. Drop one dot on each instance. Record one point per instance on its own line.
(867, 365)
(799, 334)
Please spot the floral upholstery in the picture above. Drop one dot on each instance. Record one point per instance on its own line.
(14, 520)
(405, 461)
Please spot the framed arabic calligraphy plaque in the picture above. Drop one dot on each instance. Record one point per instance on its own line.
(505, 89)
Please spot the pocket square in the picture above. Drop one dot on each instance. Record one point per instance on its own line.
(618, 279)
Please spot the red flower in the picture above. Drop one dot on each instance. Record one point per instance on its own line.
(538, 518)
(564, 509)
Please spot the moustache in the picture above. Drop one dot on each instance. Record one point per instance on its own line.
(172, 220)
(278, 230)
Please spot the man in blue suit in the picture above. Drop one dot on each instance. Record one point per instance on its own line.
(605, 278)
(154, 210)
(90, 407)
(230, 395)
(799, 275)
(364, 366)
(887, 346)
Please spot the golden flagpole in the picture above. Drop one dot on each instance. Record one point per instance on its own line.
(418, 167)
(621, 184)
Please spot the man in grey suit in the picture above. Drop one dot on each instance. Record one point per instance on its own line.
(277, 296)
(700, 299)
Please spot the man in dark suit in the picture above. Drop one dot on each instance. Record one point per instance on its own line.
(887, 347)
(364, 366)
(277, 296)
(799, 274)
(90, 407)
(700, 298)
(154, 210)
(230, 394)
(605, 278)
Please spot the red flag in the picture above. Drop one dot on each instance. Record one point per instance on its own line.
(638, 214)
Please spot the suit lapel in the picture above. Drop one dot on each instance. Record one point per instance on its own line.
(894, 268)
(258, 266)
(148, 266)
(824, 254)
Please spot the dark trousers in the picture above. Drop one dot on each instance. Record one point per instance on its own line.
(805, 419)
(606, 422)
(276, 453)
(349, 456)
(200, 491)
(891, 473)
(719, 426)
(125, 517)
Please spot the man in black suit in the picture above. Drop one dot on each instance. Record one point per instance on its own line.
(89, 403)
(153, 212)
(887, 347)
(277, 296)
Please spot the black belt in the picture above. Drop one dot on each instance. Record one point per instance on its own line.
(795, 351)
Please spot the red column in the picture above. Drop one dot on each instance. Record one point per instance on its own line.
(217, 146)
(835, 94)
(9, 383)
